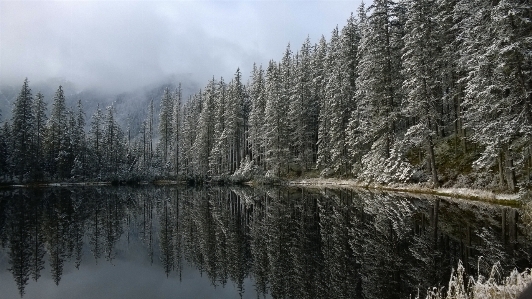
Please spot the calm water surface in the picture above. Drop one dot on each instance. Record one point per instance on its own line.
(165, 242)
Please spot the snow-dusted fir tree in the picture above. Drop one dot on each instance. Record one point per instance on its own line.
(357, 141)
(79, 151)
(6, 163)
(422, 86)
(234, 117)
(218, 164)
(257, 93)
(275, 128)
(448, 69)
(330, 122)
(286, 70)
(23, 123)
(39, 110)
(57, 142)
(319, 74)
(349, 43)
(191, 115)
(177, 116)
(205, 136)
(94, 142)
(112, 142)
(379, 82)
(339, 94)
(165, 126)
(302, 109)
(499, 85)
(150, 132)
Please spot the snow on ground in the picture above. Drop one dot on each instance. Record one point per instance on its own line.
(452, 192)
(477, 193)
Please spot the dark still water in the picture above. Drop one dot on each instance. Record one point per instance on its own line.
(165, 242)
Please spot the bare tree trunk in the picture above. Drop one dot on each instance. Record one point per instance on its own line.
(432, 158)
(510, 172)
(501, 171)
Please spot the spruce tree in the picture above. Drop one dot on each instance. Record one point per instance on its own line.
(176, 127)
(301, 109)
(78, 142)
(95, 142)
(191, 114)
(319, 73)
(378, 94)
(112, 143)
(39, 110)
(165, 126)
(23, 121)
(422, 86)
(205, 136)
(275, 128)
(6, 160)
(57, 139)
(218, 161)
(498, 92)
(257, 93)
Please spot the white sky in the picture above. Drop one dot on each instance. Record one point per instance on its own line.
(121, 45)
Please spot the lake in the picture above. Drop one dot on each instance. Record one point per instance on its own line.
(225, 242)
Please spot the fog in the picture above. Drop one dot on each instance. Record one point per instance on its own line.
(119, 46)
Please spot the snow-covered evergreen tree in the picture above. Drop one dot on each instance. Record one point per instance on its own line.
(319, 82)
(165, 126)
(350, 41)
(498, 93)
(5, 151)
(330, 121)
(378, 95)
(95, 142)
(176, 127)
(205, 136)
(257, 93)
(235, 117)
(448, 70)
(78, 142)
(357, 141)
(39, 110)
(191, 113)
(150, 132)
(302, 109)
(339, 94)
(112, 143)
(275, 127)
(23, 122)
(57, 142)
(218, 161)
(422, 87)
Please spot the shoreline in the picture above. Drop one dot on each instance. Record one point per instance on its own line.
(511, 199)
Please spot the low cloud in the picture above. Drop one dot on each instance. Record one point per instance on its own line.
(121, 45)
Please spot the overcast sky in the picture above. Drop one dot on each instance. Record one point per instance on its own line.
(120, 45)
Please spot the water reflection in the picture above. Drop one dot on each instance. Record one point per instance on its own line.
(290, 242)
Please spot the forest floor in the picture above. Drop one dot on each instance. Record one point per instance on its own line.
(462, 193)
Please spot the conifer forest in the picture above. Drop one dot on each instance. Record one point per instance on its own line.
(437, 92)
(338, 169)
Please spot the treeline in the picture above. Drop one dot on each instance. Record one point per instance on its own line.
(37, 146)
(434, 91)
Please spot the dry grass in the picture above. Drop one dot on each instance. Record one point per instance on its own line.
(494, 287)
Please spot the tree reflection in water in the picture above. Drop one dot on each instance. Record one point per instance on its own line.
(291, 242)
